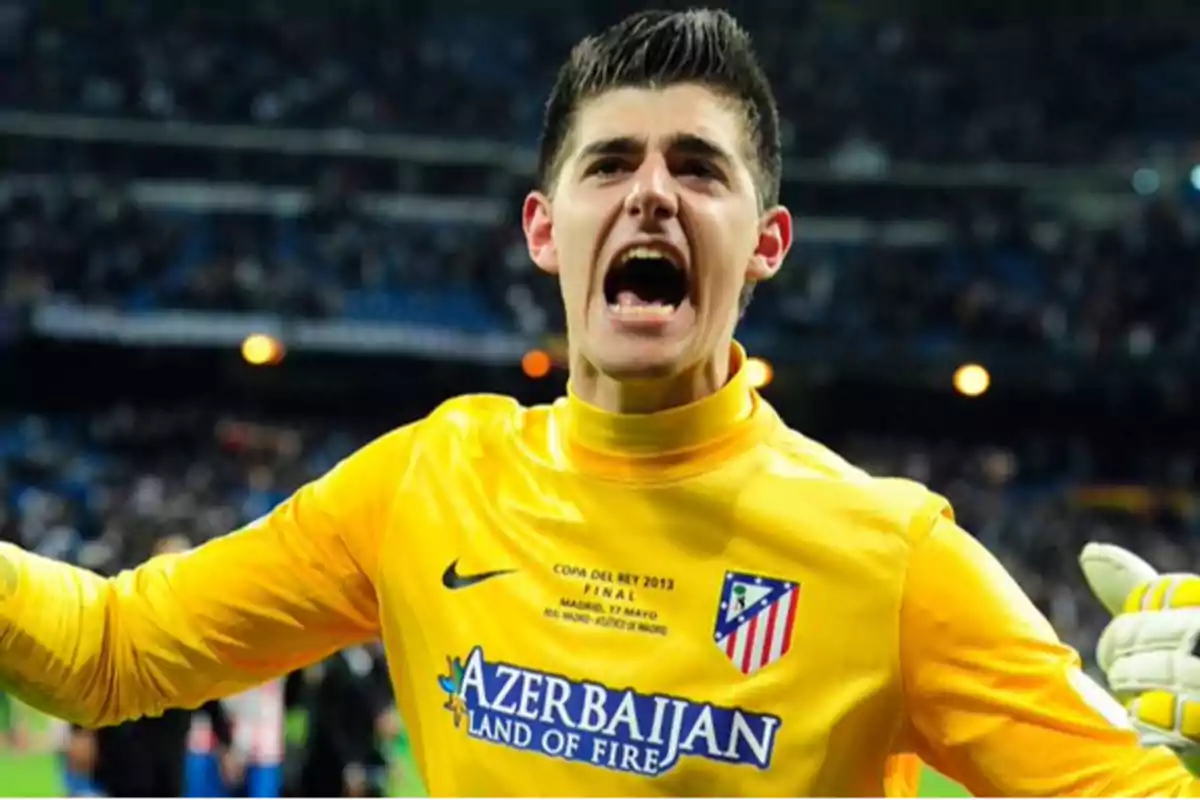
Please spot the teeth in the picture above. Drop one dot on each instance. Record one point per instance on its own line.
(629, 302)
(646, 251)
(656, 310)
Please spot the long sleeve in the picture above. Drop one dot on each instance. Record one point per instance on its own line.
(997, 702)
(181, 629)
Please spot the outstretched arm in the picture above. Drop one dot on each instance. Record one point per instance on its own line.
(182, 629)
(997, 702)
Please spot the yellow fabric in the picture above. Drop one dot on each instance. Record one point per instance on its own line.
(995, 700)
(593, 664)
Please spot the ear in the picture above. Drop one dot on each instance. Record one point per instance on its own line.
(774, 241)
(539, 232)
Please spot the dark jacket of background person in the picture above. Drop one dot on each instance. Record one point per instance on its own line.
(144, 758)
(348, 696)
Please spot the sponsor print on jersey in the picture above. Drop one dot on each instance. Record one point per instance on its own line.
(587, 722)
(755, 620)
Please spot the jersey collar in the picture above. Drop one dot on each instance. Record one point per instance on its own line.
(692, 435)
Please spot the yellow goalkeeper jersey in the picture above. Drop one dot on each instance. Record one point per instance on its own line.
(696, 602)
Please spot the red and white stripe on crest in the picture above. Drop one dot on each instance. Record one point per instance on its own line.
(765, 637)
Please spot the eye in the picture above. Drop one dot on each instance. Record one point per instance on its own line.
(605, 167)
(698, 168)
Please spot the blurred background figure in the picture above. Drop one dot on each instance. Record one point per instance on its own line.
(14, 728)
(352, 723)
(76, 749)
(250, 762)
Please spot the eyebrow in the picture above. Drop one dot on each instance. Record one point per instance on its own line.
(688, 143)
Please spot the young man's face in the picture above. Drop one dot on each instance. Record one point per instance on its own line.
(653, 228)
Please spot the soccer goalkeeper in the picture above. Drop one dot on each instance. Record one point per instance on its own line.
(653, 586)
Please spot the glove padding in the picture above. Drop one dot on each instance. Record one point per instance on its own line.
(1150, 652)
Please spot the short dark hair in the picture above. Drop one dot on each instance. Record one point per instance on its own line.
(662, 48)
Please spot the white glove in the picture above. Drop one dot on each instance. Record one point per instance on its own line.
(1149, 651)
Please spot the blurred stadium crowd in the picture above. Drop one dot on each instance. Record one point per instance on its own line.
(1128, 290)
(93, 218)
(929, 94)
(99, 210)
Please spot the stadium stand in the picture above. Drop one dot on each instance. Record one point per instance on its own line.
(844, 85)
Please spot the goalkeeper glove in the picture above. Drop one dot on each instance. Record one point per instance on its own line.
(1150, 652)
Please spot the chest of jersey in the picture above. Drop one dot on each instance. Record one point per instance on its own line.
(693, 639)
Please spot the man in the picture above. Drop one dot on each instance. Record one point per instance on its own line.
(136, 758)
(14, 729)
(554, 585)
(248, 761)
(350, 713)
(76, 749)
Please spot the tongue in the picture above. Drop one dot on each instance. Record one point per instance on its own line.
(630, 299)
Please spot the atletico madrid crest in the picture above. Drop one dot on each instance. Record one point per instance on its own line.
(755, 620)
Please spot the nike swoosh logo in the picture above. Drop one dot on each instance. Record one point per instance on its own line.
(452, 580)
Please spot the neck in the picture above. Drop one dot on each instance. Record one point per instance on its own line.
(648, 396)
(665, 435)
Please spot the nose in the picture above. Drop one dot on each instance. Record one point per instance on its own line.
(652, 197)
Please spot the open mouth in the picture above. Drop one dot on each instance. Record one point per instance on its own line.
(645, 282)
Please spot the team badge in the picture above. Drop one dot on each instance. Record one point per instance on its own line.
(755, 620)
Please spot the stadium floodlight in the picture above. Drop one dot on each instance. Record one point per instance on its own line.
(971, 380)
(759, 371)
(536, 364)
(260, 350)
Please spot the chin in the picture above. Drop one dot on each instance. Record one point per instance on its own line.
(638, 359)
